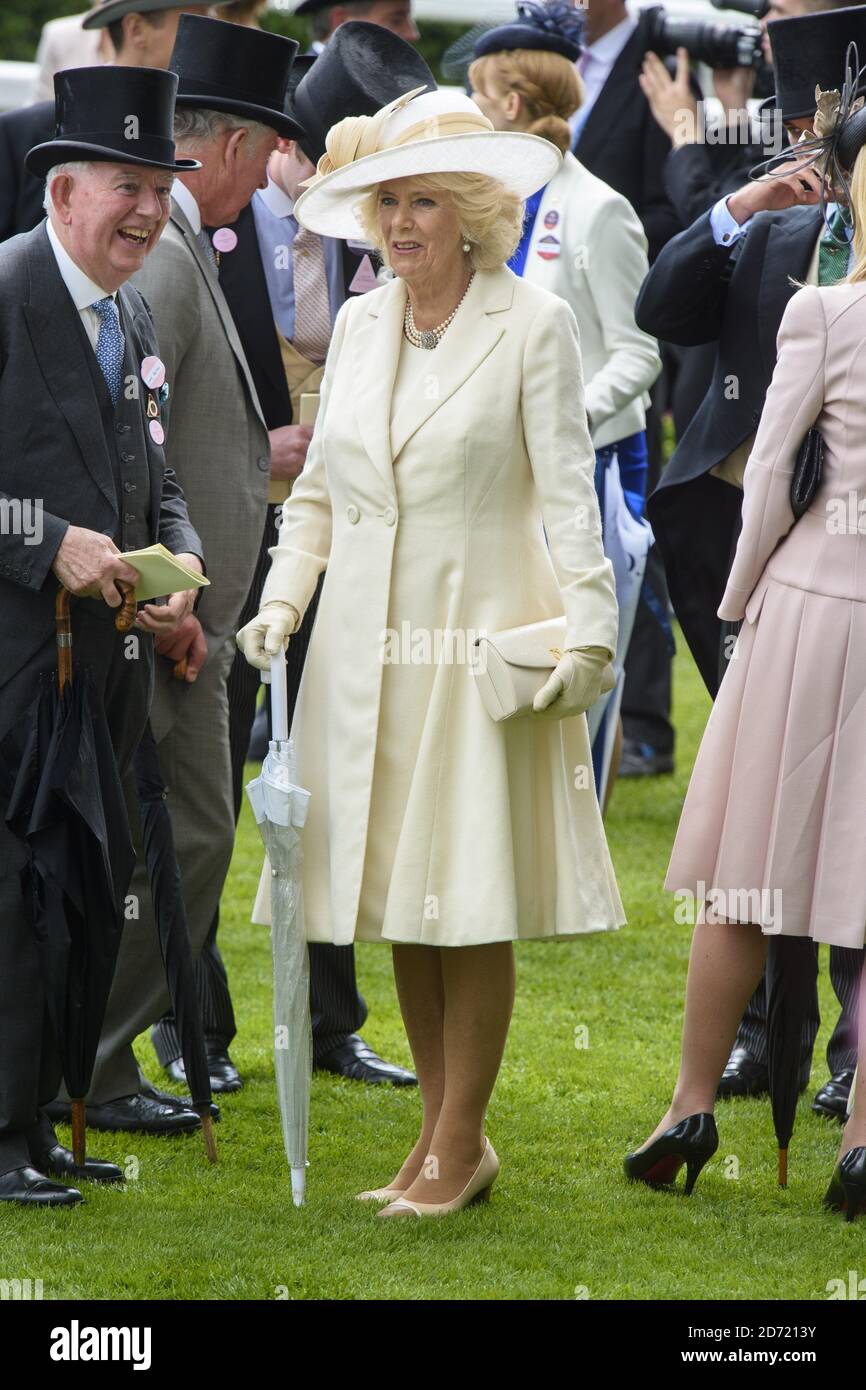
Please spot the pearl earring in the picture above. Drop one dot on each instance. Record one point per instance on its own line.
(467, 246)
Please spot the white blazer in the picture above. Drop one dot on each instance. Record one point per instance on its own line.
(588, 246)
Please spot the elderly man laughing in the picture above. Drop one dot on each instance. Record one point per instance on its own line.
(76, 443)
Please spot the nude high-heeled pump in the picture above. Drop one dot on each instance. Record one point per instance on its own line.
(380, 1194)
(476, 1190)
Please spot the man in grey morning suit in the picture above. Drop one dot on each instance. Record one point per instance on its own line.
(232, 89)
(75, 444)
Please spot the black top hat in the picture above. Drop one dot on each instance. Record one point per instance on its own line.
(363, 68)
(310, 6)
(107, 11)
(549, 28)
(809, 50)
(115, 116)
(230, 68)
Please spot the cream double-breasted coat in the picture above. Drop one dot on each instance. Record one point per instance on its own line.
(429, 823)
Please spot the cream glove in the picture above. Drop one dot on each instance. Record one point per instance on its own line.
(581, 676)
(268, 633)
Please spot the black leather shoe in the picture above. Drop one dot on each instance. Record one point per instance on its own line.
(138, 1114)
(30, 1188)
(641, 760)
(354, 1059)
(743, 1076)
(60, 1163)
(224, 1075)
(691, 1142)
(832, 1099)
(847, 1190)
(180, 1102)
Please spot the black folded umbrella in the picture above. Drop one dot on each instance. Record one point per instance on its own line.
(65, 804)
(792, 968)
(168, 908)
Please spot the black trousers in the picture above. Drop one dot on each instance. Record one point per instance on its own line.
(846, 967)
(336, 1006)
(30, 1070)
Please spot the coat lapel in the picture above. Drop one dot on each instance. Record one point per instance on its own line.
(789, 248)
(211, 279)
(56, 333)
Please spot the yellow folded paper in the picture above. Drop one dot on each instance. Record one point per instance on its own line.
(161, 573)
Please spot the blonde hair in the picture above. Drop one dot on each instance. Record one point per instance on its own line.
(857, 188)
(547, 84)
(491, 217)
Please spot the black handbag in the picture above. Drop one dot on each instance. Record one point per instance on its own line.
(808, 469)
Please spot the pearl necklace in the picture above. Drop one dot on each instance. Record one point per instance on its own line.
(430, 338)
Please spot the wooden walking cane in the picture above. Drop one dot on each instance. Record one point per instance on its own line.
(63, 622)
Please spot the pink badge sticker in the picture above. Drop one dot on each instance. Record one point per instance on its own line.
(153, 373)
(224, 239)
(365, 278)
(157, 433)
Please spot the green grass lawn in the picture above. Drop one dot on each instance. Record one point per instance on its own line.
(562, 1223)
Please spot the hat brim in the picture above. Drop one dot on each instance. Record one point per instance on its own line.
(42, 158)
(284, 125)
(103, 15)
(523, 163)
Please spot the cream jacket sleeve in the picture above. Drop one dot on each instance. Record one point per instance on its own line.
(794, 400)
(617, 270)
(305, 532)
(563, 467)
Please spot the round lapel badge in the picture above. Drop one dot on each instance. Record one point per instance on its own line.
(153, 373)
(551, 218)
(224, 239)
(549, 248)
(157, 433)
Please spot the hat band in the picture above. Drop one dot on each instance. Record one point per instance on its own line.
(115, 140)
(437, 127)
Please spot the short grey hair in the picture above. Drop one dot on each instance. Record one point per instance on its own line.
(194, 127)
(78, 166)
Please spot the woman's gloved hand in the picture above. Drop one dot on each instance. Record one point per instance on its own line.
(576, 683)
(268, 633)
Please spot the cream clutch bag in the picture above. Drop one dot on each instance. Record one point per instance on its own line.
(510, 667)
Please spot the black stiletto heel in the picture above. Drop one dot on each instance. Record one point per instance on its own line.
(847, 1190)
(691, 1142)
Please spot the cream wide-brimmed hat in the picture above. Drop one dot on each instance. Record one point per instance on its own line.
(420, 133)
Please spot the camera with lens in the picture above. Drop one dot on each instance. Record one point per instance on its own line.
(717, 45)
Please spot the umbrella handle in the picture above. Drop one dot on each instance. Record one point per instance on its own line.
(123, 622)
(127, 610)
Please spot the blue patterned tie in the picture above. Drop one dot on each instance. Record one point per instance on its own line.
(110, 346)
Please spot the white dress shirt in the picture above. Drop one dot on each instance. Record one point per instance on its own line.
(82, 289)
(187, 204)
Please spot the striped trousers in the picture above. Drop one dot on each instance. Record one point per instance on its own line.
(336, 1006)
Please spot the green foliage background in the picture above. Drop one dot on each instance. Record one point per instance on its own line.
(21, 23)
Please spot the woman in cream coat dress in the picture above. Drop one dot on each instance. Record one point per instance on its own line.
(771, 834)
(431, 827)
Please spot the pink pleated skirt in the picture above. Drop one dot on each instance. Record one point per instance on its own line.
(773, 828)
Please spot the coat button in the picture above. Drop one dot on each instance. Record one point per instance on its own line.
(389, 516)
(127, 458)
(264, 465)
(128, 517)
(25, 576)
(353, 514)
(129, 487)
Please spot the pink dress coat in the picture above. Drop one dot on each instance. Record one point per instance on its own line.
(774, 822)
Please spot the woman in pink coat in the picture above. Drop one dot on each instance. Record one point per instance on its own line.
(772, 837)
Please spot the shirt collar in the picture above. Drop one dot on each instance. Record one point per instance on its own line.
(83, 290)
(278, 203)
(608, 48)
(187, 204)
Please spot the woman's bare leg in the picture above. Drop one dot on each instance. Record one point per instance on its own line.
(421, 994)
(479, 996)
(725, 965)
